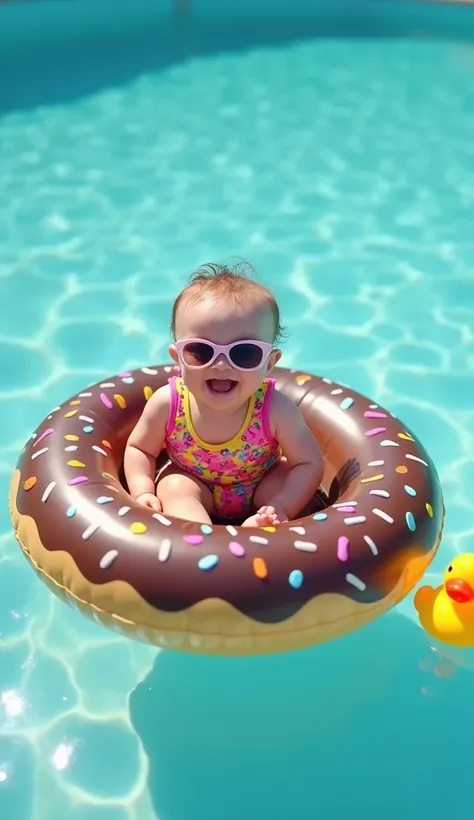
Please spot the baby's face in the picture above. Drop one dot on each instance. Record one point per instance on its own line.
(219, 384)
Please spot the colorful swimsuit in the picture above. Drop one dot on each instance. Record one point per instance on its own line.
(233, 469)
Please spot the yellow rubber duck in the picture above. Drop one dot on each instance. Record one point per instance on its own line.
(447, 612)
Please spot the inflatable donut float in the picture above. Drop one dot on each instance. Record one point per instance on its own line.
(222, 589)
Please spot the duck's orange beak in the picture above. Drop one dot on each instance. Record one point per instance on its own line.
(459, 590)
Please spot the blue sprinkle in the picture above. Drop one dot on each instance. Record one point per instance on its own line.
(295, 578)
(88, 429)
(409, 490)
(206, 529)
(208, 562)
(104, 499)
(346, 403)
(71, 512)
(320, 517)
(128, 380)
(411, 523)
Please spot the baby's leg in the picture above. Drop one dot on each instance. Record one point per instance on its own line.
(184, 496)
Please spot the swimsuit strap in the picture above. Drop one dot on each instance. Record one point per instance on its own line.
(176, 408)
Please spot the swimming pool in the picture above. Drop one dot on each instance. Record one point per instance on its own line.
(341, 164)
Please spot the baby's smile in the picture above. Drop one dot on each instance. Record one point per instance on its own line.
(221, 385)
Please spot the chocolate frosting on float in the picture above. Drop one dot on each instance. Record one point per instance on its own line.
(388, 509)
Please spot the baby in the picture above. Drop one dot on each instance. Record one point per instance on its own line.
(238, 448)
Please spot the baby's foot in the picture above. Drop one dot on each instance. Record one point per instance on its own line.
(261, 520)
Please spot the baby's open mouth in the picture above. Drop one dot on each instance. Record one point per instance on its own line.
(221, 385)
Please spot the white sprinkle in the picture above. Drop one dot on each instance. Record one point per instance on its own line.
(380, 493)
(91, 529)
(162, 519)
(387, 443)
(99, 449)
(108, 559)
(355, 581)
(305, 546)
(326, 381)
(257, 539)
(39, 453)
(86, 418)
(355, 519)
(231, 530)
(107, 384)
(70, 448)
(337, 391)
(384, 515)
(49, 489)
(415, 458)
(167, 369)
(345, 504)
(123, 510)
(55, 409)
(378, 463)
(165, 550)
(298, 530)
(149, 371)
(373, 546)
(373, 406)
(85, 395)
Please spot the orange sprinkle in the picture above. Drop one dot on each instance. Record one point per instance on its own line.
(268, 529)
(401, 469)
(147, 392)
(75, 463)
(405, 437)
(106, 444)
(429, 510)
(70, 414)
(371, 478)
(303, 379)
(71, 437)
(30, 482)
(75, 401)
(260, 568)
(120, 401)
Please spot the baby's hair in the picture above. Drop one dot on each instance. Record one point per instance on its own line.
(232, 282)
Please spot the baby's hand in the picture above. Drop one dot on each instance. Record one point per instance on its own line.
(276, 514)
(151, 501)
(266, 517)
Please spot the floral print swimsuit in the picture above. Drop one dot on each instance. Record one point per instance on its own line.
(233, 469)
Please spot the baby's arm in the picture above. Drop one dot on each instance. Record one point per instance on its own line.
(302, 453)
(143, 447)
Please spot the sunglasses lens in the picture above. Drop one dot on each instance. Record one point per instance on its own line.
(197, 354)
(246, 356)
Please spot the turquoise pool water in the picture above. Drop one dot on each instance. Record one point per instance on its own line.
(344, 171)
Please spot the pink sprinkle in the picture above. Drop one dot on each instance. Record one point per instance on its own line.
(124, 375)
(346, 509)
(236, 549)
(343, 548)
(81, 479)
(105, 400)
(375, 431)
(194, 539)
(372, 414)
(43, 435)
